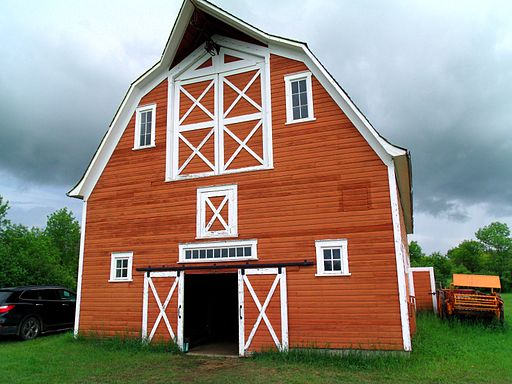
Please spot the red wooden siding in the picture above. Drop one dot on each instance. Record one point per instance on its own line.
(308, 196)
(423, 290)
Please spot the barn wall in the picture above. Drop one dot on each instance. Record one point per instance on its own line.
(327, 183)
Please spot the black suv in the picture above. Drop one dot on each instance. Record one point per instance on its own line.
(30, 311)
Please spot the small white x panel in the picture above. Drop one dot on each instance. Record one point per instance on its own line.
(217, 212)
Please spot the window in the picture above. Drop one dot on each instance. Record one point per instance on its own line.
(121, 266)
(299, 98)
(145, 126)
(331, 257)
(218, 251)
(66, 295)
(217, 211)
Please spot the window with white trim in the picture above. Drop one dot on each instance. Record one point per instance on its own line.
(121, 266)
(218, 251)
(145, 118)
(299, 97)
(332, 257)
(217, 212)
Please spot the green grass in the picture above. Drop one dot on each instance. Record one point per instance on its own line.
(444, 352)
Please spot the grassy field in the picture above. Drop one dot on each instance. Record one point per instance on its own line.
(444, 352)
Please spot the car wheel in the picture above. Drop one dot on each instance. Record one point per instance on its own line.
(30, 328)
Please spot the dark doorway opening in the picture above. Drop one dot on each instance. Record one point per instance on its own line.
(211, 313)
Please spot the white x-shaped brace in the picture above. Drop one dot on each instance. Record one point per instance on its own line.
(196, 151)
(242, 93)
(162, 314)
(243, 144)
(262, 309)
(197, 102)
(216, 213)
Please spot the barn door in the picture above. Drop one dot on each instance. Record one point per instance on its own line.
(162, 308)
(263, 309)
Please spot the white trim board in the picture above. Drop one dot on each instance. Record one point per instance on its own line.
(281, 46)
(80, 270)
(399, 258)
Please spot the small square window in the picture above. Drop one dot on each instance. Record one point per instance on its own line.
(332, 257)
(145, 118)
(121, 266)
(299, 97)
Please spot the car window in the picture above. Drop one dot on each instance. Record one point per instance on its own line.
(33, 294)
(66, 295)
(4, 296)
(49, 294)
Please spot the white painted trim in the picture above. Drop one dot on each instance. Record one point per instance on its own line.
(145, 302)
(285, 344)
(114, 256)
(433, 290)
(80, 269)
(230, 195)
(288, 79)
(320, 245)
(181, 310)
(241, 314)
(400, 267)
(215, 245)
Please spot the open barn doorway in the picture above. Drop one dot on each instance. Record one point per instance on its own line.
(211, 313)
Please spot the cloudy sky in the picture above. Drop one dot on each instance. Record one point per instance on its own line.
(432, 76)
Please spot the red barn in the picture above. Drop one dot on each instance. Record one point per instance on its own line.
(240, 198)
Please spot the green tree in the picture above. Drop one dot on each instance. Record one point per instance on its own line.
(4, 207)
(416, 254)
(63, 230)
(468, 257)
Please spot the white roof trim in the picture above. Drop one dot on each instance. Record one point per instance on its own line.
(158, 73)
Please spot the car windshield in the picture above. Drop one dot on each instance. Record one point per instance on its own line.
(4, 295)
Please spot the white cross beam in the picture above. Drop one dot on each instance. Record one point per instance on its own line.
(196, 151)
(216, 213)
(242, 93)
(243, 144)
(262, 309)
(162, 314)
(196, 102)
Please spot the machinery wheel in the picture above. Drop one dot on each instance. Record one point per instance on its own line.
(30, 328)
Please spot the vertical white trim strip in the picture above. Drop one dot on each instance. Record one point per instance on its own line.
(284, 312)
(400, 268)
(145, 299)
(181, 309)
(433, 289)
(80, 270)
(241, 329)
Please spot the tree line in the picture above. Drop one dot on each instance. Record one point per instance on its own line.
(489, 254)
(34, 256)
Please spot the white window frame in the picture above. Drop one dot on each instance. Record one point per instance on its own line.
(120, 256)
(138, 112)
(320, 245)
(219, 244)
(231, 193)
(288, 79)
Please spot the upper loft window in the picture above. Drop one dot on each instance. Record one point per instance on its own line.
(331, 257)
(219, 115)
(299, 97)
(145, 126)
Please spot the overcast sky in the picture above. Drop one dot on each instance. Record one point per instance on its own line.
(432, 76)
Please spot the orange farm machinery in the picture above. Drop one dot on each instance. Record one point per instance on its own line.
(464, 298)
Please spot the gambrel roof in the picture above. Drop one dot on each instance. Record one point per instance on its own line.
(185, 37)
